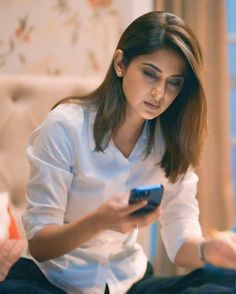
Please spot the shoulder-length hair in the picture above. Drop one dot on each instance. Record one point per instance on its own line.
(184, 123)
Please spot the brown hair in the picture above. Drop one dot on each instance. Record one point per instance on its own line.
(184, 123)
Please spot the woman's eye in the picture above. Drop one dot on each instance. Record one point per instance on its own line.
(176, 83)
(149, 74)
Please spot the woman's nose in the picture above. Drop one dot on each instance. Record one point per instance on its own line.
(157, 93)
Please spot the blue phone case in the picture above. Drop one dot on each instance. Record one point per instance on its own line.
(152, 193)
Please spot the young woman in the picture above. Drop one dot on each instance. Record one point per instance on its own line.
(143, 126)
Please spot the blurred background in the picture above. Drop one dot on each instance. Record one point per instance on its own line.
(73, 40)
(231, 51)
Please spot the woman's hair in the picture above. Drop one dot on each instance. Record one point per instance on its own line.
(184, 123)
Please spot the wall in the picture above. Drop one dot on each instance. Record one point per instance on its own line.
(63, 37)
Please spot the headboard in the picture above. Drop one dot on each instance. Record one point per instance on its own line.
(24, 102)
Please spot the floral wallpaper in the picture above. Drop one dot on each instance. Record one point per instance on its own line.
(58, 37)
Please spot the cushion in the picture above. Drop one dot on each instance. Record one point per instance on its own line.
(11, 246)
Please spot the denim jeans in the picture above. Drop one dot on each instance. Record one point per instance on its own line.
(26, 278)
(207, 280)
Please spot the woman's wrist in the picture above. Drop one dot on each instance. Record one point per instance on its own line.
(203, 244)
(96, 222)
(202, 252)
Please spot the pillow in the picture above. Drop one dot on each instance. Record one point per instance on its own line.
(13, 232)
(5, 220)
(10, 252)
(11, 246)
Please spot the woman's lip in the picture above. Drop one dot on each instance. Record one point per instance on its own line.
(151, 106)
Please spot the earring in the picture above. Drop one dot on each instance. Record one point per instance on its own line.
(119, 73)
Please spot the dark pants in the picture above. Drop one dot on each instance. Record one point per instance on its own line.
(25, 277)
(207, 280)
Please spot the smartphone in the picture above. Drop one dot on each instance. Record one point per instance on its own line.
(152, 193)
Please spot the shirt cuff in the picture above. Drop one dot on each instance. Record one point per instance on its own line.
(174, 235)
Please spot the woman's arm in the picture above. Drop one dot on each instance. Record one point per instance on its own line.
(219, 250)
(56, 240)
(188, 254)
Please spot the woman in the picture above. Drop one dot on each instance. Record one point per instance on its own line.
(143, 126)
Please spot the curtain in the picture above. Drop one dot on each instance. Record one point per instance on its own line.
(207, 18)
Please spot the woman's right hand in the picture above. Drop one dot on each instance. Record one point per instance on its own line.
(55, 240)
(114, 214)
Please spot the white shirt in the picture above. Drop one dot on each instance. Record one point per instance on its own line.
(68, 179)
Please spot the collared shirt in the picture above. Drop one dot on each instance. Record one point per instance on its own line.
(68, 179)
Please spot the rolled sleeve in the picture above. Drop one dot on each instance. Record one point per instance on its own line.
(50, 157)
(180, 214)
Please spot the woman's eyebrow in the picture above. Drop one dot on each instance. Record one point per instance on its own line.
(156, 68)
(153, 66)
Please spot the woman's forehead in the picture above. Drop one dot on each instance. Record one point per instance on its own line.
(164, 60)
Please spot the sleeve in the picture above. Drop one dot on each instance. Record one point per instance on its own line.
(50, 157)
(180, 214)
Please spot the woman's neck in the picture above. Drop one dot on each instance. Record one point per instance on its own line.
(127, 136)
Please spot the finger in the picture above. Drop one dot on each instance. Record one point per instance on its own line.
(146, 219)
(120, 199)
(227, 256)
(230, 254)
(227, 263)
(135, 206)
(157, 211)
(154, 214)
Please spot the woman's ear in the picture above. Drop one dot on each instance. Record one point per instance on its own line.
(118, 60)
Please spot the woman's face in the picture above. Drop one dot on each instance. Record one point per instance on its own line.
(151, 83)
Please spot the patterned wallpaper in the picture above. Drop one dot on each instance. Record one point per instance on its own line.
(57, 37)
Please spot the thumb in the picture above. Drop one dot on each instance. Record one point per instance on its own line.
(135, 206)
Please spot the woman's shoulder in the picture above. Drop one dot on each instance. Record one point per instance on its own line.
(70, 114)
(64, 121)
(66, 118)
(67, 111)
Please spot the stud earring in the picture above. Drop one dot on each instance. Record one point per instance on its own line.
(119, 73)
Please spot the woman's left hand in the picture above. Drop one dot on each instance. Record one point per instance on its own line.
(220, 250)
